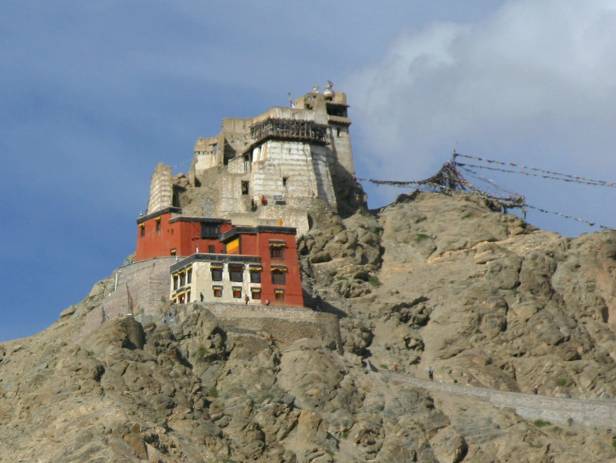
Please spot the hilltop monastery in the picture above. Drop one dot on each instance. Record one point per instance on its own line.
(233, 219)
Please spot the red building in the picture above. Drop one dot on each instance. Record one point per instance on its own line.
(200, 239)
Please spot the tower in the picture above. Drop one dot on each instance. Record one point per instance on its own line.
(161, 189)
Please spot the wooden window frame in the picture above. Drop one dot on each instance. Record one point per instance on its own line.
(217, 270)
(279, 274)
(233, 270)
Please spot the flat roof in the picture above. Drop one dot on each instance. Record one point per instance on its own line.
(166, 210)
(222, 258)
(254, 230)
(189, 218)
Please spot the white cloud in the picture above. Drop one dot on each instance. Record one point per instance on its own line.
(536, 77)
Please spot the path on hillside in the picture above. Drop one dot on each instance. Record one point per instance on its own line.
(587, 412)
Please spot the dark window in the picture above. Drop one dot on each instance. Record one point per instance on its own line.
(216, 274)
(276, 252)
(245, 186)
(209, 230)
(172, 252)
(142, 230)
(201, 297)
(338, 132)
(158, 226)
(255, 293)
(237, 292)
(285, 180)
(217, 290)
(188, 297)
(236, 273)
(211, 249)
(336, 110)
(182, 279)
(278, 277)
(279, 295)
(175, 282)
(255, 277)
(189, 276)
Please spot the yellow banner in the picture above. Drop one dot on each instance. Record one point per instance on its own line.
(233, 247)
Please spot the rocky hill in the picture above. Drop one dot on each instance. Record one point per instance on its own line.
(438, 282)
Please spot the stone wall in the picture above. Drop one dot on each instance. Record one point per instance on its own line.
(281, 167)
(142, 287)
(284, 324)
(161, 189)
(599, 413)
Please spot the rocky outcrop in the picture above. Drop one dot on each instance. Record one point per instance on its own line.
(432, 281)
(479, 296)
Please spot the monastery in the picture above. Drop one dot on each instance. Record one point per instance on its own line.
(234, 217)
(224, 234)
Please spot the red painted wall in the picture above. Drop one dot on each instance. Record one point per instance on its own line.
(293, 294)
(184, 236)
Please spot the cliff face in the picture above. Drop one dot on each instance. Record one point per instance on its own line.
(431, 281)
(478, 296)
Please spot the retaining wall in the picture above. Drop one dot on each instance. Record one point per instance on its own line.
(597, 413)
(143, 290)
(142, 287)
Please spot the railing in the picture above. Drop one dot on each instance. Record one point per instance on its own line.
(288, 129)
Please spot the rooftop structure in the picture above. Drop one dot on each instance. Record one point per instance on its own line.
(269, 169)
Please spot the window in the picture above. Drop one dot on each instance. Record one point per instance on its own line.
(236, 273)
(216, 274)
(279, 295)
(189, 276)
(188, 297)
(217, 290)
(211, 249)
(209, 230)
(158, 226)
(142, 230)
(285, 180)
(245, 187)
(255, 293)
(237, 292)
(338, 131)
(255, 276)
(279, 277)
(201, 297)
(277, 252)
(172, 252)
(175, 282)
(182, 279)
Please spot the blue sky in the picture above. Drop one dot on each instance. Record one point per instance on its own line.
(94, 94)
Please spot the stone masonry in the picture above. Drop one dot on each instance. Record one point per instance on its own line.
(594, 413)
(139, 288)
(270, 169)
(142, 290)
(161, 189)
